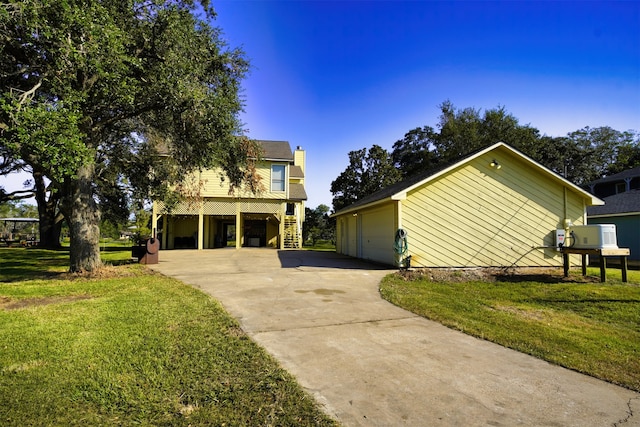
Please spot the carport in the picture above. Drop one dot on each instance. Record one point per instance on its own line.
(218, 231)
(209, 224)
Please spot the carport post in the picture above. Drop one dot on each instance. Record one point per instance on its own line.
(239, 228)
(282, 213)
(200, 228)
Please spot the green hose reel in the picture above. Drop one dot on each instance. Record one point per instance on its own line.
(401, 248)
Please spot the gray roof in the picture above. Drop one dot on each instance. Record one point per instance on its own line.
(297, 192)
(620, 176)
(627, 202)
(296, 172)
(276, 150)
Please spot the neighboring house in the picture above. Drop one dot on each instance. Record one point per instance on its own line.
(621, 194)
(270, 218)
(616, 184)
(495, 207)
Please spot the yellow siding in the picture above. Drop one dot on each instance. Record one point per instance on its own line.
(214, 186)
(300, 159)
(477, 215)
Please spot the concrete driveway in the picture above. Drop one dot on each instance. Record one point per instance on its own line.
(370, 363)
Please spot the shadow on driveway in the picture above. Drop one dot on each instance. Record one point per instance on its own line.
(323, 259)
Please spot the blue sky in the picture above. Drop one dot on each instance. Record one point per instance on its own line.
(337, 76)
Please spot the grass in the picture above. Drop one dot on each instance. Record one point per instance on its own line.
(28, 263)
(321, 246)
(130, 347)
(592, 327)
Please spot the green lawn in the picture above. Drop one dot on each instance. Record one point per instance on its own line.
(590, 327)
(130, 347)
(322, 246)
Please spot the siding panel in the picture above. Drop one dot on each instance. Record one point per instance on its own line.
(214, 186)
(480, 216)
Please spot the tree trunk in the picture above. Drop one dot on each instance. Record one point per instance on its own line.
(50, 222)
(84, 223)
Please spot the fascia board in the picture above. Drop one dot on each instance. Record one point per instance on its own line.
(614, 215)
(361, 207)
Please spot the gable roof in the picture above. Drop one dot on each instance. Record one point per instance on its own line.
(276, 150)
(399, 191)
(622, 203)
(620, 176)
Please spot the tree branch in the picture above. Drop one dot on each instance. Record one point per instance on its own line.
(28, 95)
(15, 195)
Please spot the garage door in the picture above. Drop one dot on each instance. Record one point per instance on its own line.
(377, 235)
(352, 237)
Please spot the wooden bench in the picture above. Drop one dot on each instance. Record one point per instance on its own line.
(623, 253)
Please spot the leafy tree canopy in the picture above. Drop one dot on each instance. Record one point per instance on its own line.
(467, 130)
(117, 98)
(318, 225)
(17, 209)
(368, 171)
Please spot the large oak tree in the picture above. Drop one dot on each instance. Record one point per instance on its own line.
(92, 92)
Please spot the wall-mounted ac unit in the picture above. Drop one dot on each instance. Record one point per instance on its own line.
(596, 236)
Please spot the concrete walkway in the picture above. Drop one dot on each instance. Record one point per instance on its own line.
(370, 363)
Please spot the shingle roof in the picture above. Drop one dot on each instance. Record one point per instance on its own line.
(297, 192)
(296, 172)
(627, 202)
(276, 150)
(620, 176)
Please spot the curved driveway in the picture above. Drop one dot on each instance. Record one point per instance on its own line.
(370, 363)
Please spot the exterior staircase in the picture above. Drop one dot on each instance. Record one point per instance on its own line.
(292, 237)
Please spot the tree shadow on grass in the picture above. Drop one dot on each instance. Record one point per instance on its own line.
(23, 264)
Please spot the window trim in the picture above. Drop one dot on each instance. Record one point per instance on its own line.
(282, 182)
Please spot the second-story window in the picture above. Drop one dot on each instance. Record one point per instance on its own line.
(277, 177)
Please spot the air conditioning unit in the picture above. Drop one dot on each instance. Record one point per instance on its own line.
(596, 236)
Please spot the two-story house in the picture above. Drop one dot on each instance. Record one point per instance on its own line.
(271, 218)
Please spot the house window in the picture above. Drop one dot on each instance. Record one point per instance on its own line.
(621, 187)
(277, 177)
